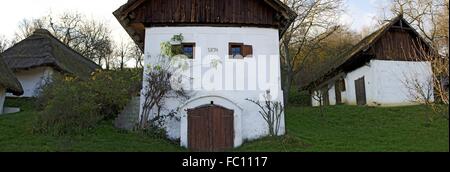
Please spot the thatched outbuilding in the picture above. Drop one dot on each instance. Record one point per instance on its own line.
(8, 83)
(35, 59)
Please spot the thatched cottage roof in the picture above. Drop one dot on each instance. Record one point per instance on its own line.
(8, 81)
(43, 49)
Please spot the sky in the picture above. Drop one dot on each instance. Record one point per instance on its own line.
(14, 11)
(358, 13)
(361, 14)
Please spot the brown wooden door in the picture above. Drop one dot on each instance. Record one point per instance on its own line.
(360, 89)
(210, 128)
(337, 90)
(325, 97)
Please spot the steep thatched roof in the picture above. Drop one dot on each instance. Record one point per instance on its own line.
(8, 81)
(137, 32)
(353, 54)
(43, 49)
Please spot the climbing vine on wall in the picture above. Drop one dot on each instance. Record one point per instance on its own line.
(173, 47)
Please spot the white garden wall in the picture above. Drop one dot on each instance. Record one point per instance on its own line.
(229, 82)
(32, 80)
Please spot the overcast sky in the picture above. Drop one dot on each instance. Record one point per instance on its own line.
(359, 13)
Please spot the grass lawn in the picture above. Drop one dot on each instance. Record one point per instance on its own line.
(343, 128)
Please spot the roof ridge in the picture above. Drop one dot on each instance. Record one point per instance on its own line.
(44, 49)
(45, 32)
(358, 47)
(380, 28)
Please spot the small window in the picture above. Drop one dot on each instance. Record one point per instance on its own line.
(239, 50)
(236, 50)
(188, 50)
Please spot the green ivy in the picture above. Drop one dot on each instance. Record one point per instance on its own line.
(169, 50)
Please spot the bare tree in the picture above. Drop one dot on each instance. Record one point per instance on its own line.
(271, 112)
(66, 28)
(90, 37)
(327, 54)
(321, 96)
(4, 43)
(96, 41)
(27, 27)
(137, 54)
(429, 17)
(160, 79)
(317, 20)
(432, 92)
(123, 52)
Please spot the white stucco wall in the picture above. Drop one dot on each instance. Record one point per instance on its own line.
(230, 82)
(332, 94)
(386, 82)
(350, 93)
(397, 78)
(314, 99)
(2, 98)
(32, 80)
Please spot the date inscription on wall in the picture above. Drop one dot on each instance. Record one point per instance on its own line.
(213, 50)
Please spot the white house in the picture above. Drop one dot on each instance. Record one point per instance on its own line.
(233, 51)
(8, 83)
(35, 59)
(384, 69)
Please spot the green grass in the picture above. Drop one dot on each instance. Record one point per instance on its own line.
(16, 135)
(358, 129)
(342, 128)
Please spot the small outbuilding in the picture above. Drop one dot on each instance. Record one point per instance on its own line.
(8, 83)
(380, 70)
(37, 58)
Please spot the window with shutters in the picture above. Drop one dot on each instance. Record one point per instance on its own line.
(240, 50)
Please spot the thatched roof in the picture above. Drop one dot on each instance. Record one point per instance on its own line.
(43, 49)
(137, 32)
(8, 80)
(353, 55)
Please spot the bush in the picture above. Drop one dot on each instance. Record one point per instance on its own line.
(299, 98)
(70, 105)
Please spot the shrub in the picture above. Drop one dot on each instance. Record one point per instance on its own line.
(299, 98)
(70, 105)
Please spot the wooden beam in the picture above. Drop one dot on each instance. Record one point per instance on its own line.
(277, 7)
(132, 7)
(401, 28)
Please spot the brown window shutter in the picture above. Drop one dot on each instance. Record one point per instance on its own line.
(247, 50)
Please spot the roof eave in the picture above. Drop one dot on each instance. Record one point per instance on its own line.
(122, 12)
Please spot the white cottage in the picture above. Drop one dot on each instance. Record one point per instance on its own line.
(35, 59)
(8, 83)
(233, 50)
(381, 70)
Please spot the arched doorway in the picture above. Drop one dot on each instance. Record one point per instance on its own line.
(210, 128)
